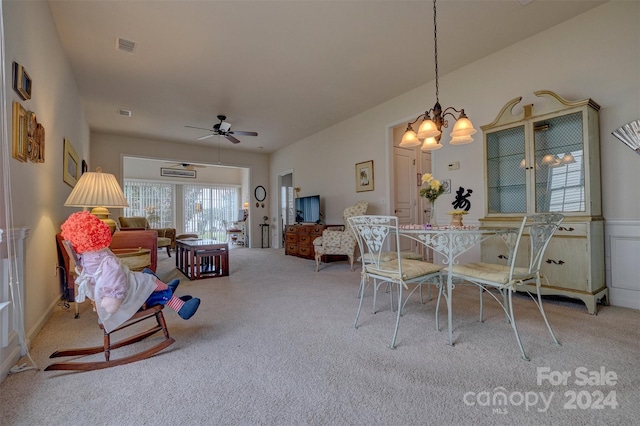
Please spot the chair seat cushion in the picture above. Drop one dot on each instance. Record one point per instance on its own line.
(163, 242)
(490, 272)
(391, 255)
(410, 269)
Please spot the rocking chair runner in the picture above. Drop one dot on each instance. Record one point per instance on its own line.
(141, 315)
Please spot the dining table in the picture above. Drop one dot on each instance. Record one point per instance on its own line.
(450, 242)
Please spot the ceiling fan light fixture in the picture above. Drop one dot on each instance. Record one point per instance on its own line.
(223, 129)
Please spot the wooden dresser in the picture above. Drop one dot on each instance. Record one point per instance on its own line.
(298, 239)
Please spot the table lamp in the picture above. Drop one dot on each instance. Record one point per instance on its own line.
(100, 190)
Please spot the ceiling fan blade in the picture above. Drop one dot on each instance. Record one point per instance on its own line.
(199, 128)
(231, 138)
(185, 166)
(241, 133)
(205, 137)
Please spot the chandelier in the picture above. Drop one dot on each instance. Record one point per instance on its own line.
(430, 130)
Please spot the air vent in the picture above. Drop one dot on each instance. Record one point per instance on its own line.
(125, 112)
(125, 45)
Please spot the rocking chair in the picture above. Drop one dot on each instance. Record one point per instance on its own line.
(142, 314)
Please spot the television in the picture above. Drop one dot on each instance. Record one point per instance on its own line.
(308, 209)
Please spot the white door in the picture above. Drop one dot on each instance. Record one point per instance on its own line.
(405, 190)
(409, 166)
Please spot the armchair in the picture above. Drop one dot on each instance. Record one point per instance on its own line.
(339, 242)
(166, 236)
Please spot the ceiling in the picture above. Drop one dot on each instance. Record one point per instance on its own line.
(285, 69)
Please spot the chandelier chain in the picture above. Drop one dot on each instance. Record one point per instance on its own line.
(435, 48)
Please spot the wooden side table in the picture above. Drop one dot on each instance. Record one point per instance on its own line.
(202, 258)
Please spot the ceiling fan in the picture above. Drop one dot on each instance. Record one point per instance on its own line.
(223, 129)
(185, 166)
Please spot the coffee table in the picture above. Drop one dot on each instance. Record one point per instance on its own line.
(202, 258)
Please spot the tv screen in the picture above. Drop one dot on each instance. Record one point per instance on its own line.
(308, 209)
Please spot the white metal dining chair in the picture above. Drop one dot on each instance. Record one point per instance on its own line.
(375, 235)
(538, 229)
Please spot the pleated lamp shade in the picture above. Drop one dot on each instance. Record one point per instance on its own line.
(97, 189)
(100, 190)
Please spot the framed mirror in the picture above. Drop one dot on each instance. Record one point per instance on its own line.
(260, 193)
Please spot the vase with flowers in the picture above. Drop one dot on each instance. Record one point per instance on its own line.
(432, 190)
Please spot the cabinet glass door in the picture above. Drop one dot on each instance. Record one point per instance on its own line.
(506, 174)
(559, 166)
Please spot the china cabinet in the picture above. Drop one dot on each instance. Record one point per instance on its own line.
(545, 157)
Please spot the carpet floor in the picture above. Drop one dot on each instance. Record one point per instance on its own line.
(274, 344)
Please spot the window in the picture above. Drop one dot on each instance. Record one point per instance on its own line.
(155, 201)
(208, 208)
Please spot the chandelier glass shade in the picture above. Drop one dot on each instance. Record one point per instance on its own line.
(433, 120)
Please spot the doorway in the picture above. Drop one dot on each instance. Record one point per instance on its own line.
(184, 212)
(409, 164)
(286, 200)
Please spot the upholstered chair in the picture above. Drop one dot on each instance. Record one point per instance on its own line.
(339, 242)
(166, 236)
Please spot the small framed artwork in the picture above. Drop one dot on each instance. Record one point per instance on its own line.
(21, 81)
(446, 184)
(181, 173)
(71, 164)
(40, 142)
(33, 148)
(364, 176)
(19, 132)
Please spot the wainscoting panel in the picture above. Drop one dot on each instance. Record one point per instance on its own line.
(622, 247)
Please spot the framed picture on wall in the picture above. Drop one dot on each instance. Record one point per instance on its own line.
(364, 176)
(40, 142)
(21, 81)
(19, 132)
(180, 173)
(71, 164)
(446, 184)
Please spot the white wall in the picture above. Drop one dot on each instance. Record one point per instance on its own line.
(38, 191)
(595, 55)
